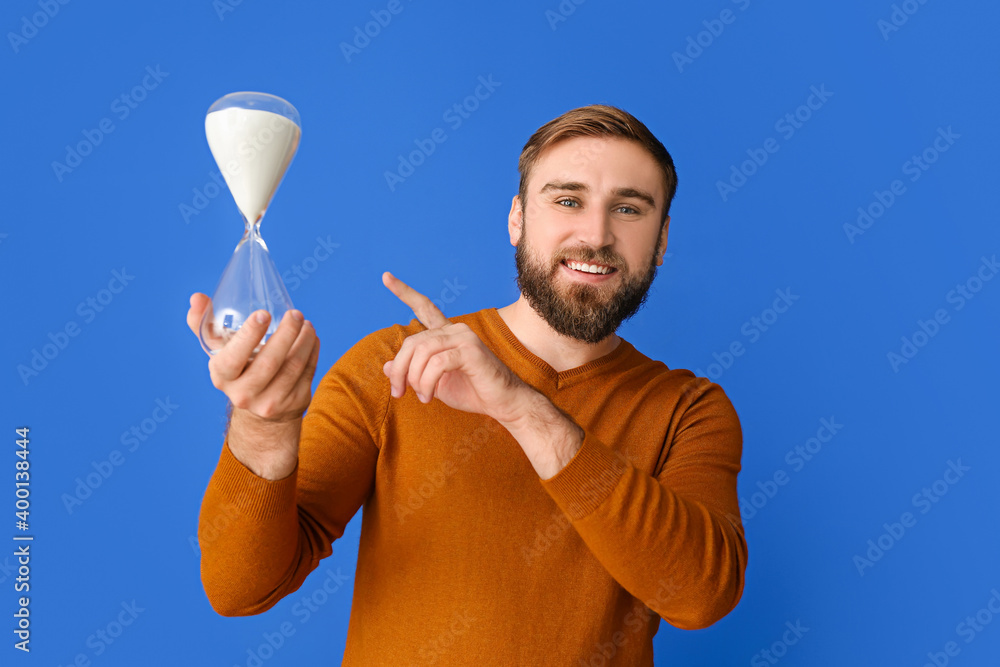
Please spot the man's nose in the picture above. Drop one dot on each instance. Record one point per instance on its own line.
(594, 228)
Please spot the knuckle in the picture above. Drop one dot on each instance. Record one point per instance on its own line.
(268, 409)
(219, 380)
(239, 399)
(267, 365)
(295, 365)
(216, 380)
(299, 399)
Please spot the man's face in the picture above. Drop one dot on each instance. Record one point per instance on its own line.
(598, 201)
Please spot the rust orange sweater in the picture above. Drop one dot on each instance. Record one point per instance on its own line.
(466, 556)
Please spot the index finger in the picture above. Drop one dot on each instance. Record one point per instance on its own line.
(427, 313)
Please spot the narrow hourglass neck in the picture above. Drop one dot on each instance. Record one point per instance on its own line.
(252, 228)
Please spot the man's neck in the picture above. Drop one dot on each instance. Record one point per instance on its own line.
(560, 352)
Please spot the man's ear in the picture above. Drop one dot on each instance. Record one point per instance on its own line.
(515, 220)
(663, 241)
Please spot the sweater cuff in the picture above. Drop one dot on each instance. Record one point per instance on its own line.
(588, 479)
(252, 495)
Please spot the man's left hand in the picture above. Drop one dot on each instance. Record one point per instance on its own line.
(449, 362)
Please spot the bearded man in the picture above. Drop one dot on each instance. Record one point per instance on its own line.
(536, 491)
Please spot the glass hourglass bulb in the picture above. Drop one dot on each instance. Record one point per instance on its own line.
(253, 137)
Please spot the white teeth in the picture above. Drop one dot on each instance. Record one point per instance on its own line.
(588, 268)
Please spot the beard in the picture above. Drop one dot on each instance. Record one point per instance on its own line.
(583, 311)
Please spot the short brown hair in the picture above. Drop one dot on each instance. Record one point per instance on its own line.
(597, 120)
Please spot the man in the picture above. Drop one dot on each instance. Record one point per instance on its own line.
(544, 494)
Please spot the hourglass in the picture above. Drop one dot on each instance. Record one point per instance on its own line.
(253, 137)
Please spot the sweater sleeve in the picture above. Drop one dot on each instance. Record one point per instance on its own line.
(259, 538)
(674, 540)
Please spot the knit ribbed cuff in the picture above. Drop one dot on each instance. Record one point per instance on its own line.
(588, 479)
(254, 496)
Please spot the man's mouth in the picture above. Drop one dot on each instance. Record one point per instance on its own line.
(584, 267)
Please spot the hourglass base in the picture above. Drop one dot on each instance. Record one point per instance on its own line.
(249, 283)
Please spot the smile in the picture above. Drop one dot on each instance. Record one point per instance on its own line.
(590, 273)
(583, 267)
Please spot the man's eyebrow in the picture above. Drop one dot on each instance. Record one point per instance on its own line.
(572, 185)
(583, 187)
(635, 194)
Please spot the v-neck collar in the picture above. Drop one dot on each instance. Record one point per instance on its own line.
(540, 369)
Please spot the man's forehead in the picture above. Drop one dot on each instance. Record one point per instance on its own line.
(616, 162)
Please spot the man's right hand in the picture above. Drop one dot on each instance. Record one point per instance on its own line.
(270, 393)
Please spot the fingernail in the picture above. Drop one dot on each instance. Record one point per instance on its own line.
(297, 314)
(393, 391)
(262, 316)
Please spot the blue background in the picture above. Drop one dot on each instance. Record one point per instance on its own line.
(782, 228)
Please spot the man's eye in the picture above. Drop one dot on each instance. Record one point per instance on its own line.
(628, 208)
(567, 201)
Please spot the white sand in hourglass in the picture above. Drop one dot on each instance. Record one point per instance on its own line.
(253, 148)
